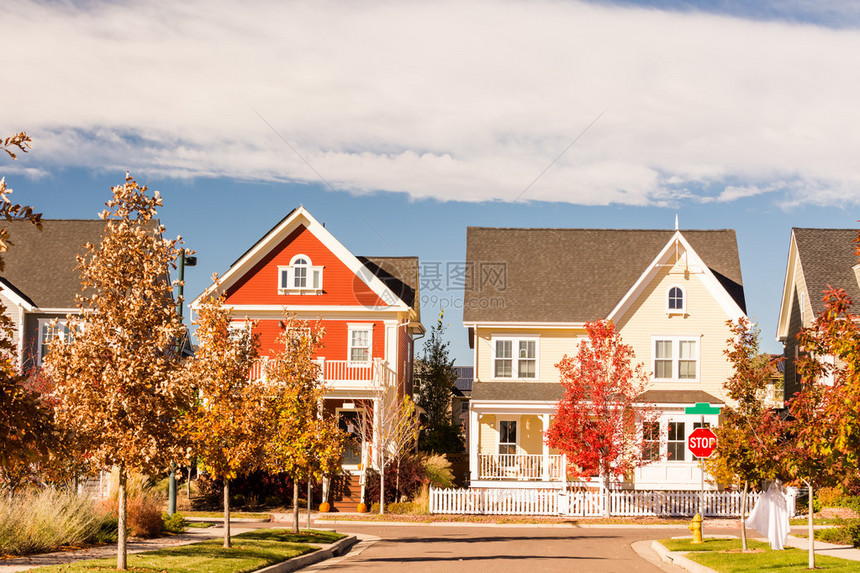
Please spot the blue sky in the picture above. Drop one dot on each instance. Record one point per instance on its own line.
(400, 124)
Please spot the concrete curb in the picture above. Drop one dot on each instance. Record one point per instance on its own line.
(221, 520)
(678, 558)
(324, 552)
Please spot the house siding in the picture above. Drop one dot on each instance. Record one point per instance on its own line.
(531, 435)
(336, 338)
(488, 437)
(796, 321)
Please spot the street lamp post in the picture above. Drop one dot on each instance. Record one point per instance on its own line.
(184, 261)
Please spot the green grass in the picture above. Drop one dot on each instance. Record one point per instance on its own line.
(815, 521)
(251, 551)
(233, 514)
(713, 554)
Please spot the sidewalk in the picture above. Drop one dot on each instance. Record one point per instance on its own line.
(63, 557)
(821, 548)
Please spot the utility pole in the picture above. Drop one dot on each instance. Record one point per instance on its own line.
(184, 260)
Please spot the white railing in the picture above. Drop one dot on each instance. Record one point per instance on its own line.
(520, 467)
(339, 371)
(589, 502)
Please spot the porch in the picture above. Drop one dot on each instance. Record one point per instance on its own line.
(342, 374)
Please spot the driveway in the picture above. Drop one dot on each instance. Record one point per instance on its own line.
(506, 549)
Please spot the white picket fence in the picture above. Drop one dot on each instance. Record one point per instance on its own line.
(585, 503)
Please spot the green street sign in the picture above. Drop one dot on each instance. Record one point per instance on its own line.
(702, 409)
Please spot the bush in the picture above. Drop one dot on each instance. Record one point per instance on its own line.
(830, 496)
(412, 476)
(174, 523)
(37, 521)
(437, 470)
(107, 531)
(143, 506)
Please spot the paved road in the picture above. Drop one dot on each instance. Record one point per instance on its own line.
(472, 549)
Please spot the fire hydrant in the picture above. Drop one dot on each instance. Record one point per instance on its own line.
(696, 527)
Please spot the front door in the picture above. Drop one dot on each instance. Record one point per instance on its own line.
(350, 422)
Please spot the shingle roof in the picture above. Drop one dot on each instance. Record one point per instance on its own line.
(399, 274)
(678, 397)
(827, 257)
(552, 392)
(40, 265)
(575, 275)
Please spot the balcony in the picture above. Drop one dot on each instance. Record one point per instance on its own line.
(342, 373)
(523, 467)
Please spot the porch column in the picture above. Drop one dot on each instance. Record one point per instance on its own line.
(377, 421)
(545, 466)
(474, 429)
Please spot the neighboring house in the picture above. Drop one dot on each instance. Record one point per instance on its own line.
(527, 299)
(40, 282)
(367, 305)
(817, 260)
(460, 394)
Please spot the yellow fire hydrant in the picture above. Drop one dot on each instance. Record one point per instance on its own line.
(696, 527)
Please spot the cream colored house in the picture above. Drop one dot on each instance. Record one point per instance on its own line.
(527, 299)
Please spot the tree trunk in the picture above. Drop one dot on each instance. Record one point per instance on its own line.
(744, 516)
(606, 496)
(397, 482)
(295, 505)
(811, 529)
(226, 513)
(381, 489)
(121, 521)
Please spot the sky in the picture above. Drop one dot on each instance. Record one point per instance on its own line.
(399, 124)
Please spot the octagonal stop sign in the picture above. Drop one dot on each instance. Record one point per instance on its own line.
(702, 442)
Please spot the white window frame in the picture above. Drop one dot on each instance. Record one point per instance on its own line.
(62, 325)
(314, 278)
(517, 432)
(676, 357)
(682, 441)
(358, 327)
(683, 309)
(515, 367)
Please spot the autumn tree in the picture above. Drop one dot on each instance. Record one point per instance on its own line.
(436, 376)
(226, 425)
(117, 379)
(301, 442)
(26, 432)
(750, 437)
(598, 422)
(825, 427)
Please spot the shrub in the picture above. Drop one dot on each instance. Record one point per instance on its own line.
(174, 523)
(143, 506)
(411, 477)
(437, 470)
(107, 531)
(830, 496)
(36, 521)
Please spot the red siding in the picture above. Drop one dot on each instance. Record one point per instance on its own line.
(335, 339)
(340, 285)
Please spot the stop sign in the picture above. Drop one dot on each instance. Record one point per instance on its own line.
(702, 442)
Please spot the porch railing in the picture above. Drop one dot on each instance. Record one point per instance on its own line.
(339, 371)
(520, 467)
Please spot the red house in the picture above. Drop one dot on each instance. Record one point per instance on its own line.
(367, 305)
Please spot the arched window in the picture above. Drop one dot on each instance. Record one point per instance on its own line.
(676, 302)
(301, 276)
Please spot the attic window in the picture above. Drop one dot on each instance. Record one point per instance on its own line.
(300, 277)
(676, 302)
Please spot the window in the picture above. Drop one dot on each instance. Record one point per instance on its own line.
(301, 276)
(676, 358)
(507, 437)
(651, 441)
(47, 332)
(677, 442)
(676, 303)
(360, 338)
(515, 358)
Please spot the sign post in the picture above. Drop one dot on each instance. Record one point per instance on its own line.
(702, 441)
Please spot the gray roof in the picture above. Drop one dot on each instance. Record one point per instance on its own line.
(552, 392)
(399, 274)
(827, 257)
(575, 275)
(40, 265)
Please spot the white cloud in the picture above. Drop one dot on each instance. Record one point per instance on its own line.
(457, 100)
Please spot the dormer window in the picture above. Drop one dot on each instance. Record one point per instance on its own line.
(300, 277)
(676, 302)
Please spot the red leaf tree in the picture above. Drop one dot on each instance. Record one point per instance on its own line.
(598, 422)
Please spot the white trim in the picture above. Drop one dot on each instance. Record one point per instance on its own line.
(518, 432)
(514, 358)
(62, 323)
(713, 286)
(683, 309)
(312, 308)
(525, 325)
(300, 216)
(359, 327)
(676, 357)
(17, 299)
(787, 299)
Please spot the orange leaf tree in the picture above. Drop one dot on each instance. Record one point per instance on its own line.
(227, 423)
(598, 422)
(301, 442)
(117, 381)
(26, 432)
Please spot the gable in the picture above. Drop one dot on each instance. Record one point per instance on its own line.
(341, 286)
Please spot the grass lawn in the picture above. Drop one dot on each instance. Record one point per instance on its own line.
(233, 514)
(815, 521)
(251, 551)
(723, 555)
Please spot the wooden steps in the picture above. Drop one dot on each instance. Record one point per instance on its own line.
(345, 493)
